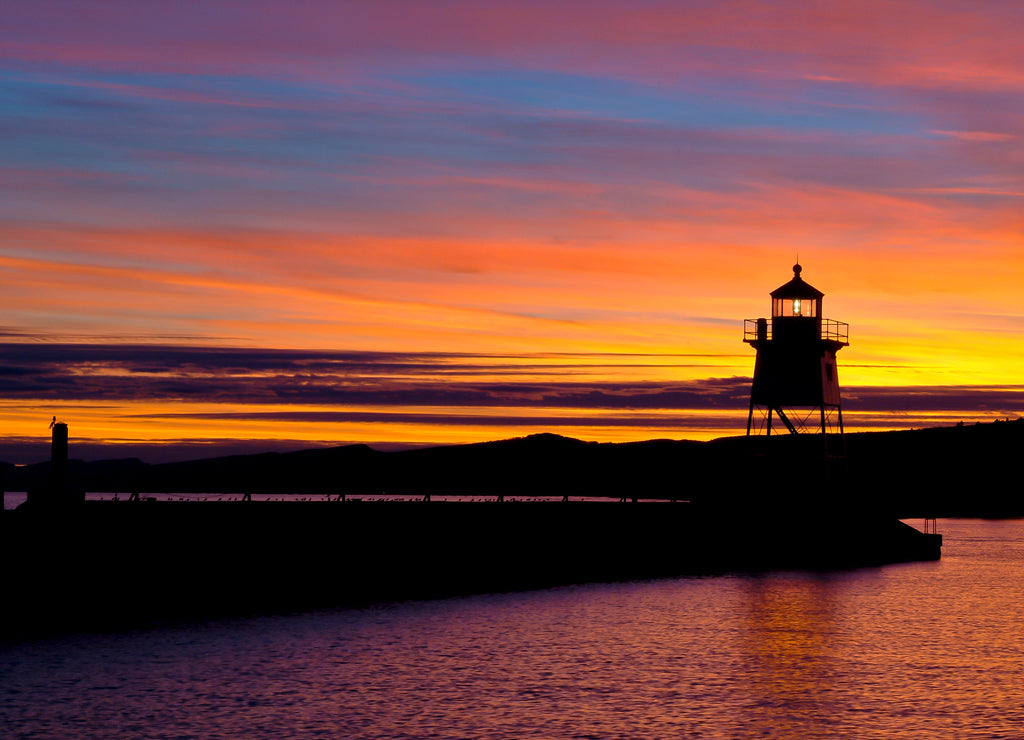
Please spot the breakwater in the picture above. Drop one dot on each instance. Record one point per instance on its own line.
(108, 565)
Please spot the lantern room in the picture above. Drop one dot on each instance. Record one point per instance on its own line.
(796, 309)
(796, 298)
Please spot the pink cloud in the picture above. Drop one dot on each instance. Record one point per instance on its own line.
(975, 135)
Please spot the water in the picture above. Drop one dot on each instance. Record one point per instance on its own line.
(906, 651)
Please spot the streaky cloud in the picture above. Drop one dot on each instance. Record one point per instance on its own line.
(255, 377)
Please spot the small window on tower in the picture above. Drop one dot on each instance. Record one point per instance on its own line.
(828, 371)
(796, 307)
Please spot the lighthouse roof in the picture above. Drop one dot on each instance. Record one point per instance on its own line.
(796, 288)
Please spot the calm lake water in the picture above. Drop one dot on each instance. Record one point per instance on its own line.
(925, 650)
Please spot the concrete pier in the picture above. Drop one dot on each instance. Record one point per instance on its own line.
(112, 564)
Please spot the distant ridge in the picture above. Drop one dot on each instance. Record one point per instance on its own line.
(964, 470)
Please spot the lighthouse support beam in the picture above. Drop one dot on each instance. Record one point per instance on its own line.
(785, 420)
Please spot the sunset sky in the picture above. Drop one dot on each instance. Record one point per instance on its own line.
(264, 225)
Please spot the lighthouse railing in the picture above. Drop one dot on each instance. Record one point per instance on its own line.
(836, 331)
(750, 332)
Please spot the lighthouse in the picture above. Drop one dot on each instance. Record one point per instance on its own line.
(796, 382)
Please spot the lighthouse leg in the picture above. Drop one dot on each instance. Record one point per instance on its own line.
(842, 434)
(824, 429)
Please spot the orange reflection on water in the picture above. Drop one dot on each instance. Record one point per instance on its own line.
(790, 654)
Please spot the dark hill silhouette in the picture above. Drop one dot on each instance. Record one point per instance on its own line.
(966, 470)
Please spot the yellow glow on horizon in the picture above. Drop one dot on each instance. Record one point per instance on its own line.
(170, 423)
(176, 422)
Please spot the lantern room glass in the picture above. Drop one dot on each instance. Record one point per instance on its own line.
(799, 307)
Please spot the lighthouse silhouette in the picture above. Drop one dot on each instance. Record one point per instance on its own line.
(796, 382)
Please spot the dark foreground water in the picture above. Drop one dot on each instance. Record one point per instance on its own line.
(927, 650)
